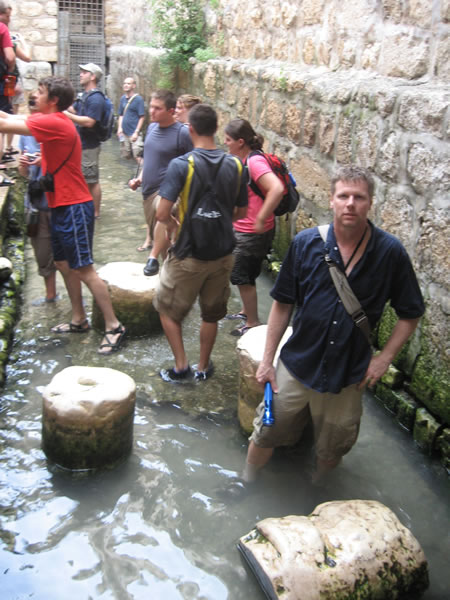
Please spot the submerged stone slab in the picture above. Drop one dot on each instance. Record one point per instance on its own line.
(87, 419)
(343, 551)
(132, 295)
(250, 349)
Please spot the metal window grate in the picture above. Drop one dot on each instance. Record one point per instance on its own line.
(81, 37)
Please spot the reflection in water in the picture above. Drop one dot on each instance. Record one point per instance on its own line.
(157, 526)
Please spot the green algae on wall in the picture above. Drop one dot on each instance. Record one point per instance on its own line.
(12, 246)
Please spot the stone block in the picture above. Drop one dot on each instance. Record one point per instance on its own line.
(132, 296)
(327, 133)
(310, 122)
(87, 419)
(388, 397)
(423, 110)
(397, 215)
(30, 9)
(344, 140)
(406, 410)
(428, 167)
(431, 385)
(393, 378)
(344, 549)
(313, 181)
(250, 350)
(389, 156)
(443, 447)
(425, 430)
(45, 53)
(274, 116)
(293, 123)
(443, 58)
(420, 13)
(311, 12)
(367, 136)
(413, 50)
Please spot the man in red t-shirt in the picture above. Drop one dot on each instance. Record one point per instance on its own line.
(72, 218)
(7, 58)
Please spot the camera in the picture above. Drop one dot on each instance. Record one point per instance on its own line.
(30, 156)
(46, 182)
(32, 102)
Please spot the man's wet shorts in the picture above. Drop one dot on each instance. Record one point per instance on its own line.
(73, 234)
(89, 164)
(249, 253)
(182, 280)
(335, 417)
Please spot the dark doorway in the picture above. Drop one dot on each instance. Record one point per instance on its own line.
(81, 37)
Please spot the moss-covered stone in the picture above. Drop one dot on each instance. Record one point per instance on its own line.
(425, 430)
(282, 237)
(389, 398)
(387, 322)
(432, 386)
(406, 410)
(393, 378)
(443, 447)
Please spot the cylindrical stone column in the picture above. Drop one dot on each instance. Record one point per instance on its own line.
(132, 295)
(250, 350)
(87, 419)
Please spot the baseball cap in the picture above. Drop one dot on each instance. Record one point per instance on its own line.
(92, 68)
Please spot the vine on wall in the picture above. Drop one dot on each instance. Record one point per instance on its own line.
(181, 29)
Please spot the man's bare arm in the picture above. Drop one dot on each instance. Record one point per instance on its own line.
(12, 125)
(80, 120)
(379, 364)
(279, 318)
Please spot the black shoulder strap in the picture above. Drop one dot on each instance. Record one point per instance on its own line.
(351, 303)
(252, 183)
(209, 175)
(68, 156)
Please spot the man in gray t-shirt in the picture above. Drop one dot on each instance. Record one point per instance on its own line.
(166, 139)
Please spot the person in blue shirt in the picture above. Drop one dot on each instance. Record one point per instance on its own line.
(30, 167)
(86, 112)
(131, 120)
(327, 361)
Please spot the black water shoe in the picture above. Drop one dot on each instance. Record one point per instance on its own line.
(152, 267)
(174, 376)
(203, 375)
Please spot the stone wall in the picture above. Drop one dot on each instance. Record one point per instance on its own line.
(394, 38)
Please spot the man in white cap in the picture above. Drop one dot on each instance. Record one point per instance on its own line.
(85, 113)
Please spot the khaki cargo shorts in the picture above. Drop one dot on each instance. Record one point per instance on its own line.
(335, 417)
(89, 164)
(182, 280)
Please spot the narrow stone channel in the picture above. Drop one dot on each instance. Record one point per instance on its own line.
(157, 526)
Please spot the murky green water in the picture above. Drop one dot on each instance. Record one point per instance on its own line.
(157, 527)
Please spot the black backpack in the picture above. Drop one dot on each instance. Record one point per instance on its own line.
(290, 198)
(210, 227)
(103, 128)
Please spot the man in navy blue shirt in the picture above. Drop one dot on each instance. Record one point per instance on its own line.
(131, 121)
(327, 361)
(85, 113)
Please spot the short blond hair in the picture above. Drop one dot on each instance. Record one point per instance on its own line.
(188, 100)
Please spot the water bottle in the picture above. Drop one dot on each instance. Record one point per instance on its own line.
(9, 85)
(291, 177)
(268, 418)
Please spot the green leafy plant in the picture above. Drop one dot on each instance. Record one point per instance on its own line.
(181, 29)
(204, 54)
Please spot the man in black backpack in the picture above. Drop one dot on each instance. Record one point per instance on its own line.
(86, 112)
(213, 191)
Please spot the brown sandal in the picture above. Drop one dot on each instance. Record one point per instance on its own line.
(113, 346)
(83, 327)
